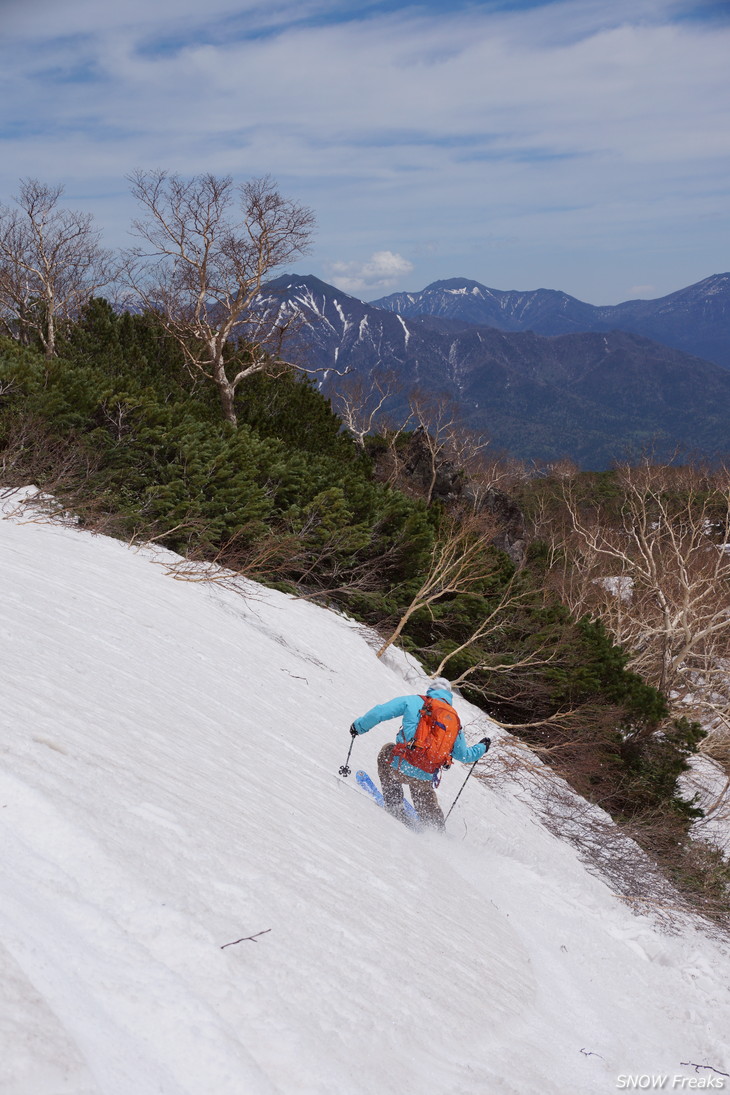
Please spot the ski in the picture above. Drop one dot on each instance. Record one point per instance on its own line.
(367, 784)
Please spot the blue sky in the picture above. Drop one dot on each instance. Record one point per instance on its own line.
(569, 144)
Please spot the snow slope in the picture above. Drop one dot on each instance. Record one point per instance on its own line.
(168, 785)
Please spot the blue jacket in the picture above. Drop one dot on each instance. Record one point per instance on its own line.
(409, 708)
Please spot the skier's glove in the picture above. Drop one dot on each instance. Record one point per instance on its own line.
(486, 742)
(353, 731)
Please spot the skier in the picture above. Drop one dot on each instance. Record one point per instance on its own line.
(430, 735)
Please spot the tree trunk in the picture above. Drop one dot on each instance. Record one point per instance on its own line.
(396, 634)
(50, 339)
(227, 393)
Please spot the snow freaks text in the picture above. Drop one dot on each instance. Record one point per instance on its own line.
(673, 1083)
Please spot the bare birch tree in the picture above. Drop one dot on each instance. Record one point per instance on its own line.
(459, 563)
(51, 263)
(659, 578)
(208, 247)
(359, 402)
(445, 438)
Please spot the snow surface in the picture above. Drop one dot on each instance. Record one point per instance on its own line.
(168, 785)
(707, 780)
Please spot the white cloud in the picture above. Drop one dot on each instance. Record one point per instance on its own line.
(642, 291)
(594, 137)
(382, 270)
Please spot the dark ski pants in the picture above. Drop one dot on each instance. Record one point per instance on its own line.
(422, 791)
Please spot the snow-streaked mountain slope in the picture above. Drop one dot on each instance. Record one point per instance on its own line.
(695, 319)
(168, 785)
(591, 396)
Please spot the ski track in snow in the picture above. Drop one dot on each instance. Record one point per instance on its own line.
(168, 785)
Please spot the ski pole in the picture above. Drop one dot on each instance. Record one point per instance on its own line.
(344, 768)
(464, 784)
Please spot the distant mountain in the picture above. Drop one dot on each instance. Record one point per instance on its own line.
(695, 319)
(592, 396)
(471, 302)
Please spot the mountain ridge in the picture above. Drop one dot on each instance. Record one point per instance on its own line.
(695, 319)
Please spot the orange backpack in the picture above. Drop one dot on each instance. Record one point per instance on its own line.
(437, 730)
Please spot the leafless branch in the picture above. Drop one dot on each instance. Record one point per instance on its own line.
(458, 563)
(246, 939)
(691, 1064)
